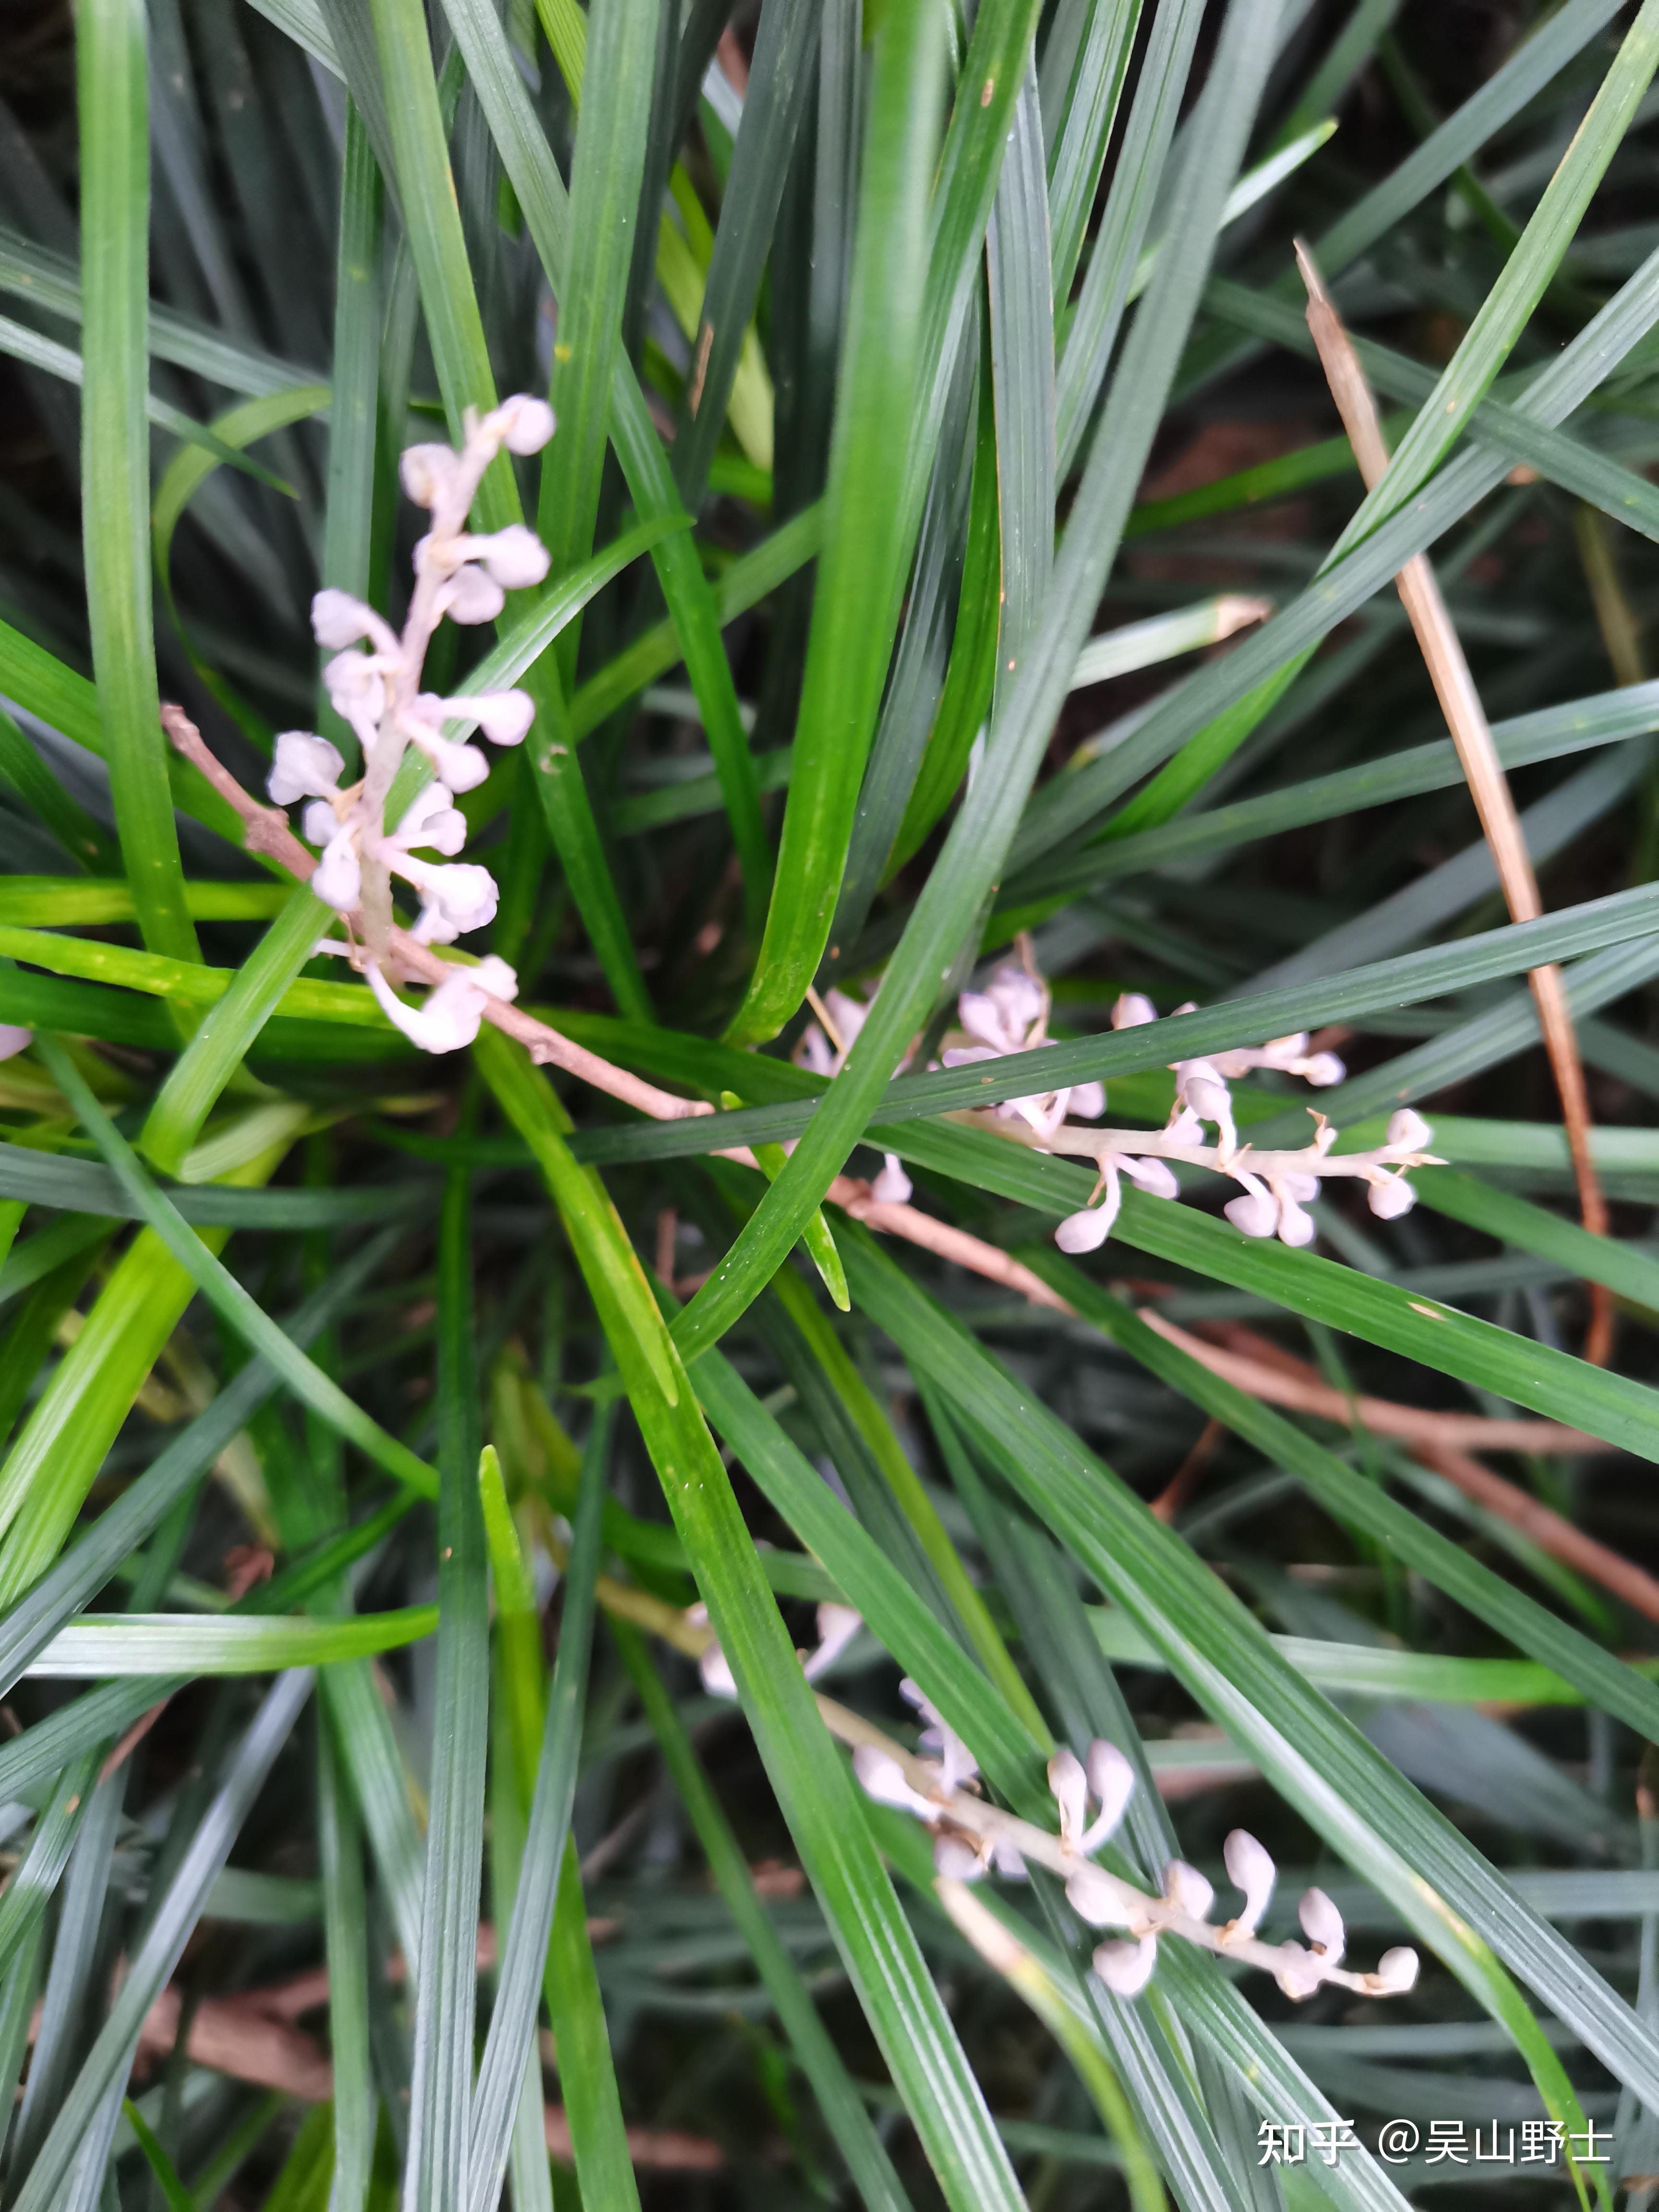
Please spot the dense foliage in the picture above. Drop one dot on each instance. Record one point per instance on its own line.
(723, 1485)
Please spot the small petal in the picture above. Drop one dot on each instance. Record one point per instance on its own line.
(1396, 1970)
(1132, 1009)
(1069, 1785)
(14, 1039)
(1407, 1131)
(514, 557)
(1087, 1101)
(319, 823)
(526, 424)
(448, 1020)
(337, 878)
(1321, 1069)
(356, 691)
(1111, 1784)
(1085, 1231)
(957, 1859)
(1126, 1968)
(1155, 1176)
(426, 471)
(465, 893)
(1322, 1924)
(338, 620)
(1298, 1972)
(1007, 1861)
(892, 1187)
(462, 768)
(717, 1676)
(881, 1776)
(981, 1016)
(1209, 1099)
(1094, 1896)
(1256, 1214)
(1250, 1867)
(1391, 1198)
(473, 597)
(494, 975)
(1295, 1225)
(837, 1625)
(1019, 997)
(503, 716)
(1188, 1890)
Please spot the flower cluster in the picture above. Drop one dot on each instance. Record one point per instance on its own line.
(373, 681)
(971, 1837)
(821, 1046)
(1276, 1186)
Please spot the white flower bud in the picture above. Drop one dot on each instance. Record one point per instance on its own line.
(503, 716)
(1407, 1131)
(319, 823)
(1298, 1973)
(1069, 1785)
(1111, 1784)
(1250, 1867)
(337, 878)
(471, 596)
(338, 620)
(1256, 1214)
(1095, 1897)
(1087, 1101)
(462, 767)
(514, 557)
(1391, 1198)
(1322, 1924)
(1396, 1970)
(1209, 1100)
(1155, 1176)
(1295, 1226)
(356, 691)
(956, 1859)
(433, 822)
(717, 1676)
(1085, 1231)
(1132, 1009)
(1188, 1890)
(881, 1776)
(465, 893)
(892, 1187)
(1321, 1069)
(1126, 1968)
(426, 471)
(14, 1039)
(494, 976)
(837, 1625)
(525, 424)
(448, 1021)
(1303, 1189)
(1007, 1861)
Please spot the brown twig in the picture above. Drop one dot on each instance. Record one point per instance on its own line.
(1466, 718)
(1179, 1488)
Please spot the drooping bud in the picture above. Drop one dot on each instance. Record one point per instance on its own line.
(1070, 1786)
(1111, 1783)
(514, 557)
(1396, 1970)
(525, 423)
(1095, 1897)
(1298, 1972)
(1322, 1924)
(1087, 1101)
(837, 1625)
(1390, 1197)
(956, 1858)
(1256, 1214)
(1321, 1069)
(338, 620)
(1188, 1890)
(1126, 1968)
(881, 1776)
(426, 471)
(1407, 1131)
(892, 1187)
(1133, 1008)
(471, 596)
(1250, 1867)
(1155, 1176)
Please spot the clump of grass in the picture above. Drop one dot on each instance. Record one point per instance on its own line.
(720, 1496)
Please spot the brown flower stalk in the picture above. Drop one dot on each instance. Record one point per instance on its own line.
(1466, 718)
